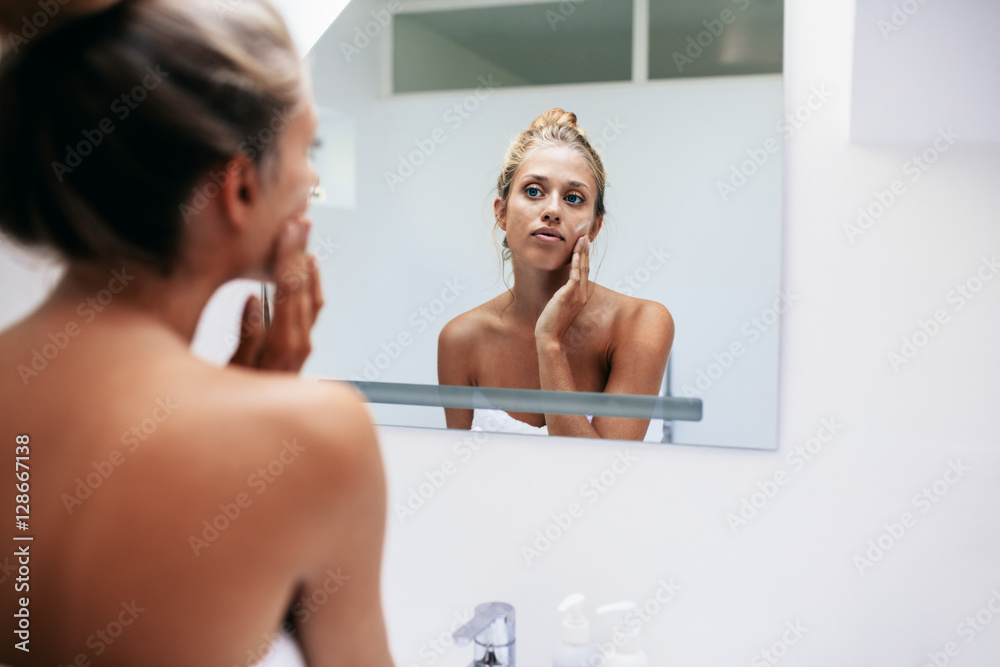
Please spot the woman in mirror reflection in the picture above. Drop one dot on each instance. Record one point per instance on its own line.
(181, 513)
(555, 329)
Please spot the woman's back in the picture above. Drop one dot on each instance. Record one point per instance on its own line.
(175, 508)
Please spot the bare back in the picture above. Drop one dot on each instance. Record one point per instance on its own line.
(179, 511)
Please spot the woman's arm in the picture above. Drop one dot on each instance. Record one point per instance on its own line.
(639, 356)
(639, 351)
(339, 618)
(455, 368)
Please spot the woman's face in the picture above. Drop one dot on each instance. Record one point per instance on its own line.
(550, 206)
(288, 188)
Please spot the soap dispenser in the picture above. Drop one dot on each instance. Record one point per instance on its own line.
(625, 637)
(574, 648)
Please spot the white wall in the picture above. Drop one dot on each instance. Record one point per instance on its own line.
(914, 58)
(667, 516)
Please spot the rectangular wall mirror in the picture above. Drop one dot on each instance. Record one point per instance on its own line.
(682, 99)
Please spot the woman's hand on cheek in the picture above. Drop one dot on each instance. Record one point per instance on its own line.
(562, 309)
(297, 302)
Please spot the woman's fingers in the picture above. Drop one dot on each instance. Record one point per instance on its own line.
(287, 345)
(251, 334)
(316, 288)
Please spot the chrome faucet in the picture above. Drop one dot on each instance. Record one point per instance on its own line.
(492, 631)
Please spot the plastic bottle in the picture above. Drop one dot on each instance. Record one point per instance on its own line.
(627, 651)
(575, 648)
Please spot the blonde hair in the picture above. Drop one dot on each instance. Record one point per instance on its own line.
(207, 85)
(555, 127)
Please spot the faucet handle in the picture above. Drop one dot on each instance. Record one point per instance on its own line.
(494, 641)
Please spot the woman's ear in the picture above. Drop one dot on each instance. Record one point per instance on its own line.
(500, 213)
(596, 227)
(238, 189)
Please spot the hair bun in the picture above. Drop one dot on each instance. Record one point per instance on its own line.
(555, 116)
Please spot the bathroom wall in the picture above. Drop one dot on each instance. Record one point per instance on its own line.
(840, 556)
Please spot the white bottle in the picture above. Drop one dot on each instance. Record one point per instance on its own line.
(625, 637)
(575, 648)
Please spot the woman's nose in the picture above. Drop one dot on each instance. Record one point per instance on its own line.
(551, 211)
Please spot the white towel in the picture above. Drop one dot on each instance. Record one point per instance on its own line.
(499, 420)
(284, 652)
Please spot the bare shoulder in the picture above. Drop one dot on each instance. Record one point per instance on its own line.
(241, 433)
(640, 320)
(472, 325)
(461, 330)
(329, 420)
(460, 339)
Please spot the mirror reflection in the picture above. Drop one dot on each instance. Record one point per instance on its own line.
(553, 328)
(449, 262)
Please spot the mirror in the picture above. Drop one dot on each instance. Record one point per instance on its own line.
(683, 101)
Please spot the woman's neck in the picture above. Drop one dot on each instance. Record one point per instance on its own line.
(130, 290)
(534, 287)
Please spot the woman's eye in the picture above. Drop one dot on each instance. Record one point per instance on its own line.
(532, 191)
(574, 198)
(316, 144)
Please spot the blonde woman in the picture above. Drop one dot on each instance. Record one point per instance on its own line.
(554, 329)
(180, 513)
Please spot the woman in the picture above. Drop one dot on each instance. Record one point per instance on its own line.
(179, 512)
(554, 329)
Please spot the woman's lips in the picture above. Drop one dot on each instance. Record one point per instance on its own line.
(547, 238)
